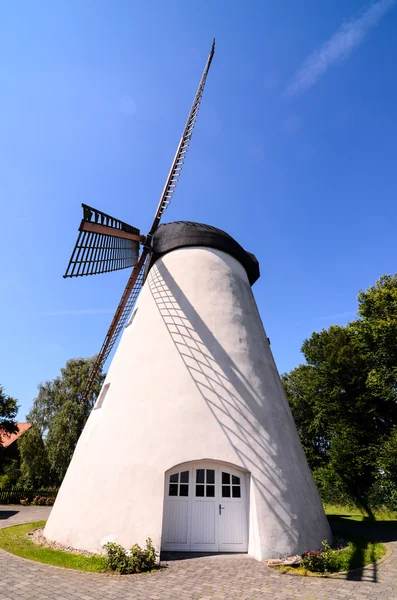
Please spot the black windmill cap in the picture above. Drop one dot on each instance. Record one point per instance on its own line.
(182, 234)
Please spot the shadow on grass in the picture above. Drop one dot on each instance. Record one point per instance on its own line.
(365, 531)
(357, 572)
(378, 531)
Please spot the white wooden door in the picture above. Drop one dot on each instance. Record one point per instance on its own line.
(176, 534)
(203, 524)
(205, 509)
(232, 522)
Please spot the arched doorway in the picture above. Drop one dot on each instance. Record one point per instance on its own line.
(205, 508)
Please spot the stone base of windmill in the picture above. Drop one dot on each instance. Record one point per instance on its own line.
(287, 561)
(37, 536)
(192, 441)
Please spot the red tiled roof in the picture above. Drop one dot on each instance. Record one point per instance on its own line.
(7, 439)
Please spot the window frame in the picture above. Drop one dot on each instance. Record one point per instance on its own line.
(179, 484)
(101, 398)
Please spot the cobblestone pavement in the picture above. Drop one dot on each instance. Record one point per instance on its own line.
(227, 577)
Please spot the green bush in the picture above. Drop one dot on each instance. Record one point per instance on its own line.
(136, 560)
(383, 493)
(321, 561)
(117, 558)
(5, 481)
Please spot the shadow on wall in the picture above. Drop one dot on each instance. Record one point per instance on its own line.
(228, 394)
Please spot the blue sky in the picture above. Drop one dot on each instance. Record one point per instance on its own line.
(293, 154)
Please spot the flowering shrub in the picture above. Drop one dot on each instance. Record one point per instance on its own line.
(136, 560)
(320, 561)
(39, 500)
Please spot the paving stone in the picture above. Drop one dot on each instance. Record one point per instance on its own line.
(221, 577)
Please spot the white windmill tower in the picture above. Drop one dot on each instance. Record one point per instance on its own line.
(205, 455)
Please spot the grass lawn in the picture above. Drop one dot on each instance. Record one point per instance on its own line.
(14, 540)
(364, 532)
(380, 526)
(357, 554)
(358, 514)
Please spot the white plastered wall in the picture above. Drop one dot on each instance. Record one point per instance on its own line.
(193, 378)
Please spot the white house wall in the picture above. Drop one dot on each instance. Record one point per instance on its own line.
(193, 379)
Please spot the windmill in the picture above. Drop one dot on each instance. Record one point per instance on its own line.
(191, 440)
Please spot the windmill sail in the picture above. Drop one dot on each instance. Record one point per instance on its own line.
(182, 149)
(104, 244)
(139, 272)
(126, 304)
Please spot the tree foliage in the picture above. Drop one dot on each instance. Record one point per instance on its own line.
(8, 412)
(344, 400)
(59, 413)
(34, 464)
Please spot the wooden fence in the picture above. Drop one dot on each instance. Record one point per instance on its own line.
(14, 495)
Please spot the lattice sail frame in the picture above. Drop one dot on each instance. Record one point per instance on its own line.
(128, 299)
(180, 155)
(104, 244)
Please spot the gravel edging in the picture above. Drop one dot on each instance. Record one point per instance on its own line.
(37, 536)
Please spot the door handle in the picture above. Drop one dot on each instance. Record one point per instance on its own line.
(221, 508)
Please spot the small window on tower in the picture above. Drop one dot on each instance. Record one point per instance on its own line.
(132, 317)
(102, 396)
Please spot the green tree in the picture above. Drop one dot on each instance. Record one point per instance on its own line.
(344, 400)
(8, 413)
(387, 461)
(384, 491)
(59, 413)
(34, 464)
